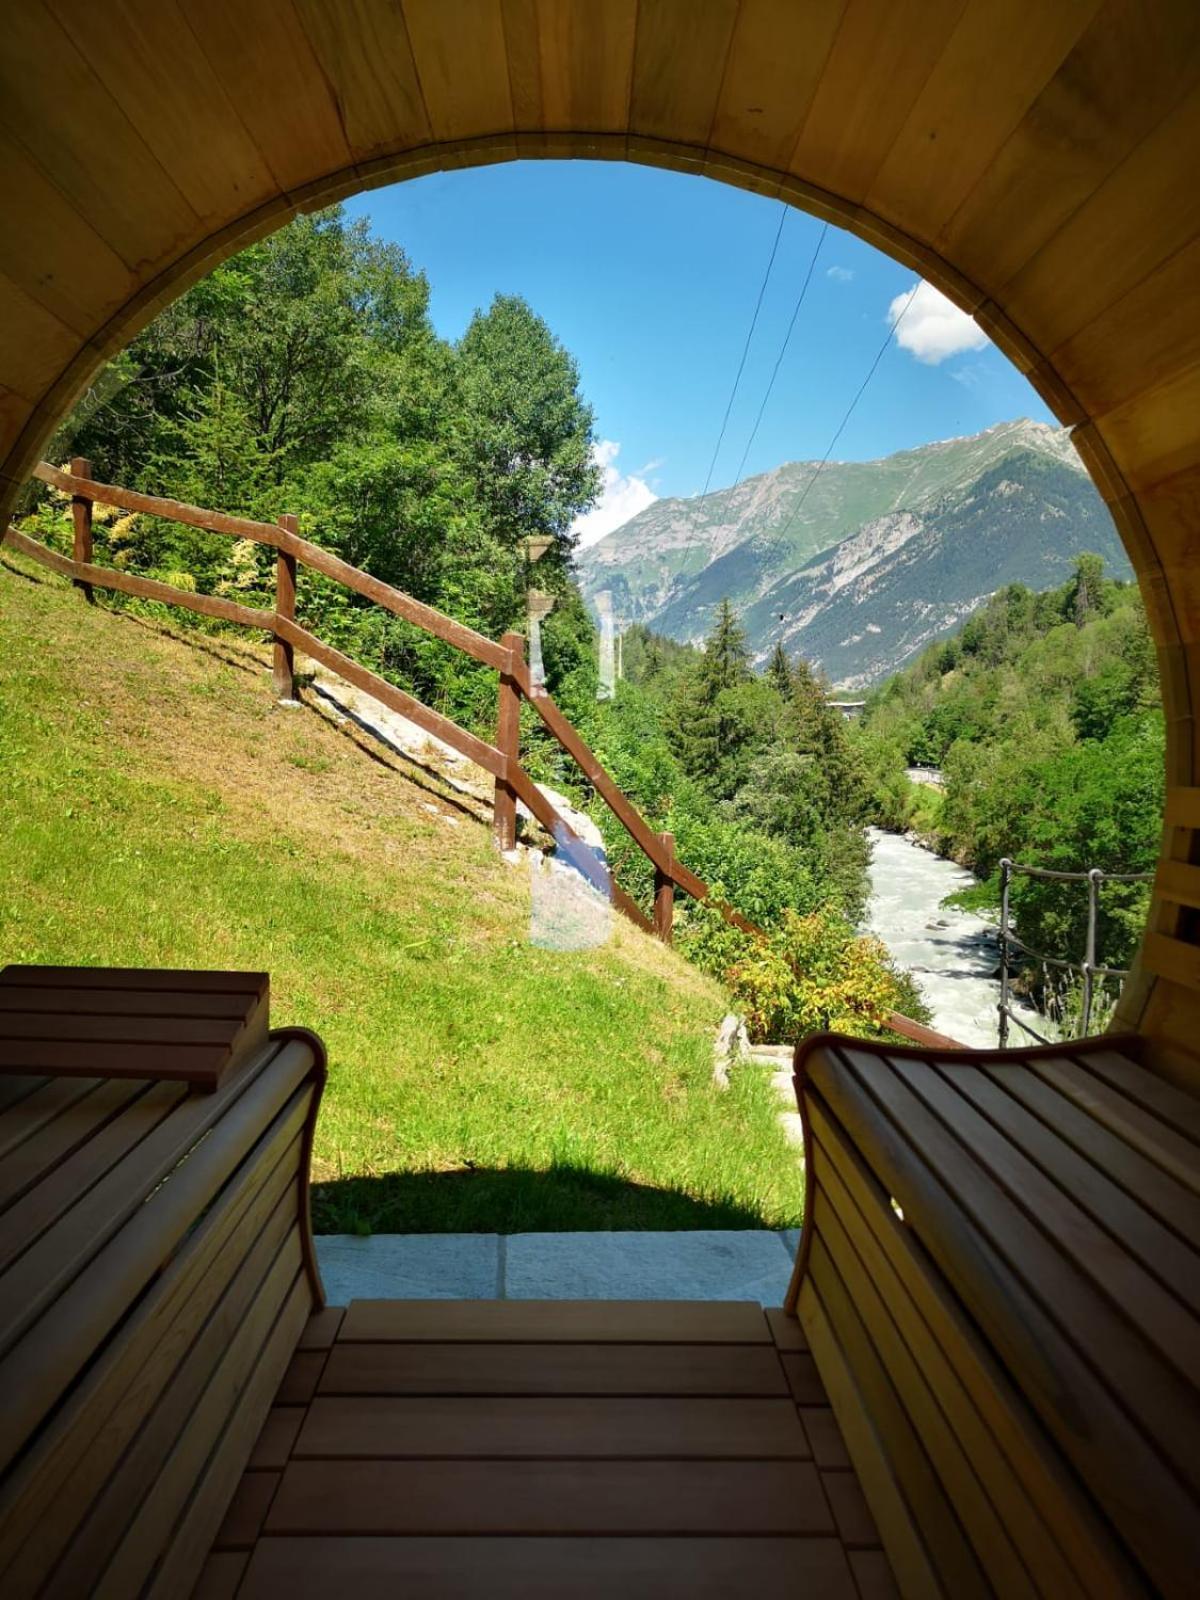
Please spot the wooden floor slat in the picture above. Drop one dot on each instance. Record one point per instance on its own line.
(348, 1427)
(533, 1369)
(555, 1321)
(545, 1497)
(549, 1569)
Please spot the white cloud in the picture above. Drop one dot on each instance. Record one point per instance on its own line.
(621, 497)
(840, 274)
(933, 329)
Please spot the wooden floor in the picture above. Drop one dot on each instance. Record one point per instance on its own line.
(549, 1448)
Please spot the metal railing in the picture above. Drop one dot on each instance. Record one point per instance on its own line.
(1088, 968)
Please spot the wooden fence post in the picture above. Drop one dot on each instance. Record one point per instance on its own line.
(508, 742)
(285, 606)
(664, 894)
(81, 516)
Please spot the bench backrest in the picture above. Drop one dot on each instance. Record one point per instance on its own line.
(156, 1270)
(1000, 1284)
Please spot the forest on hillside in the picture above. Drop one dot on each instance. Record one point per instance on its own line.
(305, 376)
(1043, 714)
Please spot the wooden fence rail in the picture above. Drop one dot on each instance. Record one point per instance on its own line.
(513, 784)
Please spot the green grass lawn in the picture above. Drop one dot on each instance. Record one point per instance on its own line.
(160, 809)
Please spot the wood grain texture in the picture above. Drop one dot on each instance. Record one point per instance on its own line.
(995, 1198)
(555, 1321)
(185, 117)
(74, 1457)
(567, 1427)
(545, 1497)
(1045, 1507)
(545, 1568)
(541, 1369)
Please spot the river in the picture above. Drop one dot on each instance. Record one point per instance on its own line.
(951, 953)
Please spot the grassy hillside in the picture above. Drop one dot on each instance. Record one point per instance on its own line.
(160, 809)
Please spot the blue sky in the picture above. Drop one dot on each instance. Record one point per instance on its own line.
(650, 279)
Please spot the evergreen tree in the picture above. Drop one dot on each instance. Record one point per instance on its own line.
(726, 660)
(779, 672)
(1088, 587)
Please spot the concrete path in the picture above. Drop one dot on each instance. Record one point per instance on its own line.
(713, 1264)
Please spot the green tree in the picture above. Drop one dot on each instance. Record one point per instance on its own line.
(1087, 587)
(779, 671)
(526, 432)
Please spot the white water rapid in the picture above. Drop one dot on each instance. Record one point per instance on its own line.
(951, 953)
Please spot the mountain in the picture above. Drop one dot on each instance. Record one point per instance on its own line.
(859, 566)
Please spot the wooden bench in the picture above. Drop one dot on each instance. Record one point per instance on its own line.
(156, 1265)
(998, 1278)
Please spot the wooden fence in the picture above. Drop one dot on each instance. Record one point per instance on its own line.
(502, 759)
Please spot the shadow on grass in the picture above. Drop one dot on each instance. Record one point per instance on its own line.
(558, 1199)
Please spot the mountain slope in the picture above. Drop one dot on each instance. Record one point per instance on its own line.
(163, 810)
(869, 605)
(966, 511)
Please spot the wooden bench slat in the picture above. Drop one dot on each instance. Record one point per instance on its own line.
(1121, 1467)
(546, 1497)
(608, 1427)
(1175, 1207)
(555, 1321)
(483, 1568)
(173, 979)
(13, 1090)
(274, 1443)
(321, 1329)
(71, 1461)
(247, 1510)
(907, 1553)
(1062, 1256)
(1137, 1127)
(61, 1253)
(1058, 1516)
(218, 1478)
(38, 1156)
(1071, 1252)
(69, 1182)
(221, 1575)
(1174, 1264)
(33, 1110)
(567, 1369)
(953, 1557)
(1175, 1110)
(53, 1027)
(986, 1496)
(199, 1064)
(163, 1003)
(156, 1268)
(225, 1399)
(87, 1303)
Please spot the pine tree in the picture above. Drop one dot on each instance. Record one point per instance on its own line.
(1089, 587)
(726, 660)
(779, 671)
(710, 723)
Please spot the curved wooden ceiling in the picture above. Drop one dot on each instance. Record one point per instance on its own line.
(1038, 159)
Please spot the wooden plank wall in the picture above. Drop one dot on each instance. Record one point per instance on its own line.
(1036, 162)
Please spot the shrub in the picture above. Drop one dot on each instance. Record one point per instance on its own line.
(812, 973)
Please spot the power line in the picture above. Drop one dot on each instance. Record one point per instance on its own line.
(782, 352)
(841, 427)
(762, 289)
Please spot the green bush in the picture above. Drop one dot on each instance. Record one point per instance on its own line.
(810, 974)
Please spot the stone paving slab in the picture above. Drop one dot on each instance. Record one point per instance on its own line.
(711, 1264)
(410, 1266)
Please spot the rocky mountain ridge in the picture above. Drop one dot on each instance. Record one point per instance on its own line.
(859, 565)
